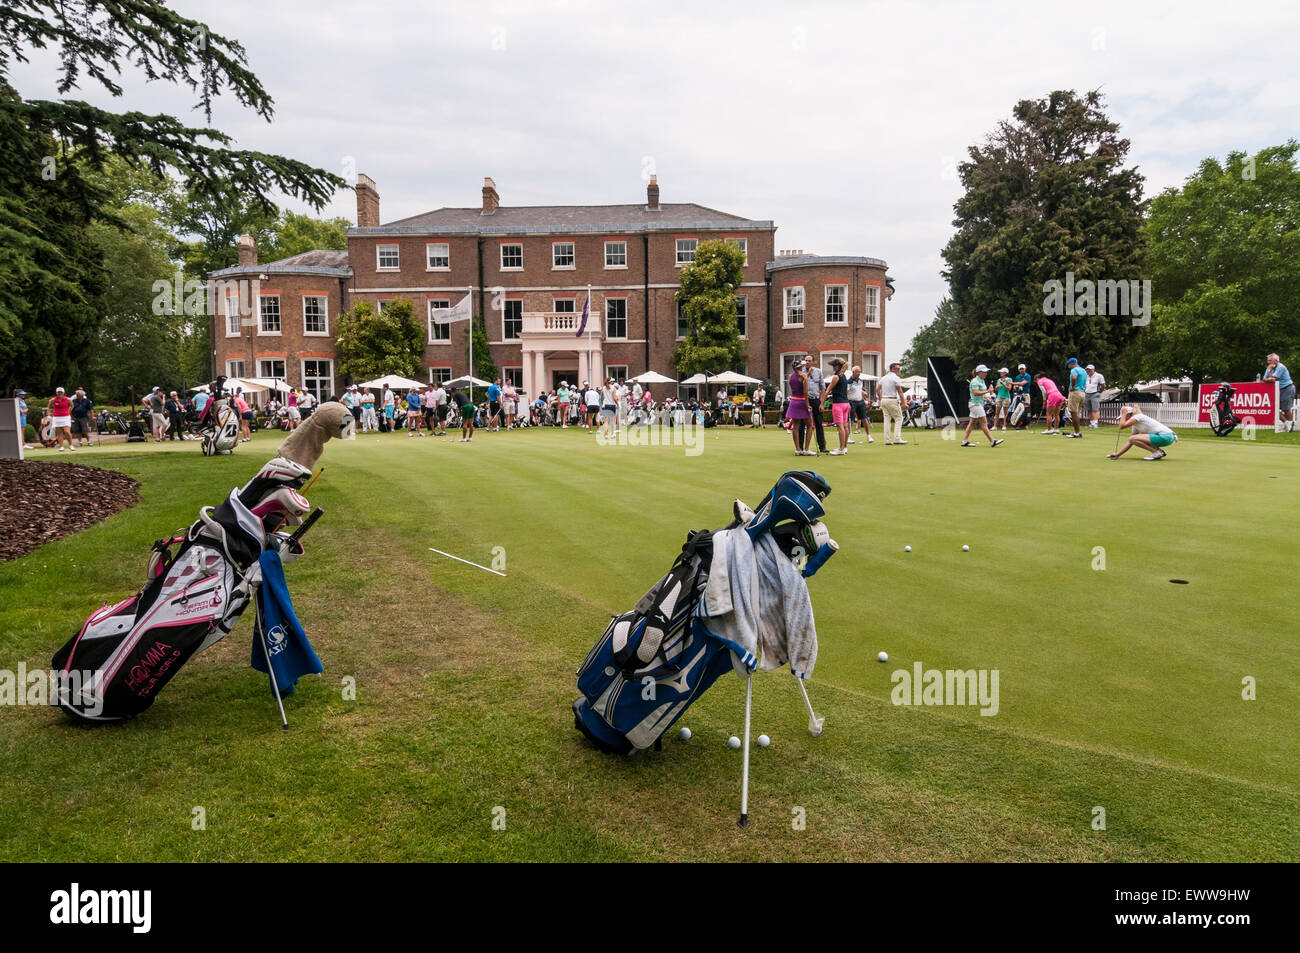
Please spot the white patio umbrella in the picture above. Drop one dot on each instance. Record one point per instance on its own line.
(731, 377)
(469, 381)
(696, 379)
(271, 383)
(651, 377)
(394, 381)
(914, 380)
(247, 385)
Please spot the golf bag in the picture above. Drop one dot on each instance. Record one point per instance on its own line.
(1019, 417)
(222, 432)
(198, 584)
(653, 661)
(1222, 420)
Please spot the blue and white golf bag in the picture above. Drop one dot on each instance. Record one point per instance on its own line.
(653, 661)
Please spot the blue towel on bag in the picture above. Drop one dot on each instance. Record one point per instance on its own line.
(291, 654)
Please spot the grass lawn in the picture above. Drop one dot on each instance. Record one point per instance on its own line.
(1117, 689)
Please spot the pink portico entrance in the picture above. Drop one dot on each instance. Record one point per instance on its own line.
(552, 350)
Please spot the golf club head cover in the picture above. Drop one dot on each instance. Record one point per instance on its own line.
(826, 548)
(278, 472)
(282, 506)
(796, 497)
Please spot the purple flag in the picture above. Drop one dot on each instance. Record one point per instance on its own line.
(586, 308)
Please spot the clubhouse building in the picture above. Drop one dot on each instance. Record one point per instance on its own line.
(530, 268)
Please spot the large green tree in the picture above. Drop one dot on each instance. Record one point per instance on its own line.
(933, 340)
(708, 302)
(1224, 262)
(138, 344)
(50, 272)
(1045, 195)
(373, 343)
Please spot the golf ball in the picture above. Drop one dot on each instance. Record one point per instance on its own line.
(907, 549)
(965, 549)
(883, 656)
(684, 734)
(733, 742)
(764, 741)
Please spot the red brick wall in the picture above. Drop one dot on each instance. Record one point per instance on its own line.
(292, 345)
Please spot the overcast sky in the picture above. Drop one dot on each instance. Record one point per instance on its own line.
(840, 122)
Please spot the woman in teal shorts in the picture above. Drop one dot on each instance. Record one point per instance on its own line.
(1148, 433)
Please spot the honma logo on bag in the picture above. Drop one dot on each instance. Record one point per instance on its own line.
(156, 662)
(102, 907)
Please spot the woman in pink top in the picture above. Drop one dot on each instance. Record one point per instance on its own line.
(245, 415)
(1053, 400)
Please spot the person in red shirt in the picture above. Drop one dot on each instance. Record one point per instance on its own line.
(60, 411)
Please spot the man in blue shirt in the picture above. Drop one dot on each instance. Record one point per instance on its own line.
(1078, 384)
(1276, 371)
(494, 405)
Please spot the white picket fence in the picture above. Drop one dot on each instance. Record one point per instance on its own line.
(1182, 415)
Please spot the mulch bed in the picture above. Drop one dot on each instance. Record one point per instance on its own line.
(41, 502)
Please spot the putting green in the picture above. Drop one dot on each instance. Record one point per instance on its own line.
(1117, 689)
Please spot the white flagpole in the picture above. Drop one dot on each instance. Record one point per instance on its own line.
(591, 371)
(471, 344)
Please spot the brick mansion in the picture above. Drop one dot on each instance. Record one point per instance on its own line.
(530, 268)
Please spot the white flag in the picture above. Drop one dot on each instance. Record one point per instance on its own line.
(459, 312)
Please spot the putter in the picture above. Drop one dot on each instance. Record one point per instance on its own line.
(814, 723)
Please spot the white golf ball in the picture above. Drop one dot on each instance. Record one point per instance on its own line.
(907, 549)
(684, 734)
(733, 742)
(965, 549)
(883, 656)
(764, 741)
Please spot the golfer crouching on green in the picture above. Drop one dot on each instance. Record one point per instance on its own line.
(1148, 433)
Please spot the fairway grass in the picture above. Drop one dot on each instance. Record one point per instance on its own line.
(1118, 690)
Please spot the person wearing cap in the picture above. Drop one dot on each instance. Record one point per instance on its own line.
(816, 394)
(22, 417)
(978, 390)
(60, 411)
(245, 415)
(1053, 401)
(890, 390)
(858, 409)
(1078, 387)
(1005, 386)
(157, 416)
(1276, 371)
(1024, 385)
(352, 401)
(838, 387)
(608, 407)
(1092, 395)
(1148, 433)
(494, 405)
(562, 399)
(591, 403)
(81, 409)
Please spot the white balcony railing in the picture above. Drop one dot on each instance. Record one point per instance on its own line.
(559, 323)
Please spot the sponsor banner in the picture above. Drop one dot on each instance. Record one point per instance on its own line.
(1251, 401)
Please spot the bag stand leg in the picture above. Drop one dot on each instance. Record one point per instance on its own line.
(814, 723)
(744, 776)
(270, 672)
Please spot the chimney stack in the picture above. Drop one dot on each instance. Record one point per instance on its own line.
(490, 198)
(247, 249)
(652, 194)
(367, 202)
